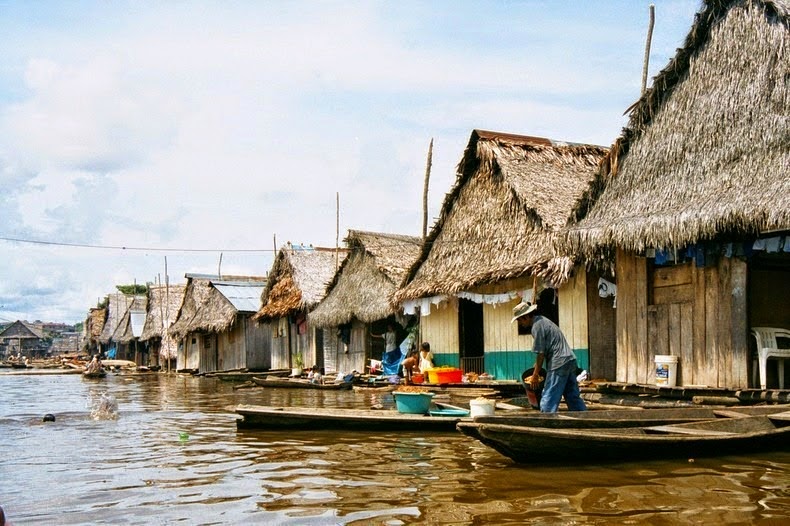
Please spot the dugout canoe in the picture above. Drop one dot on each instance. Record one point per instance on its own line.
(308, 418)
(618, 418)
(710, 437)
(298, 383)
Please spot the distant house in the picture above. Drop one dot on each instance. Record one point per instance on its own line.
(94, 325)
(358, 297)
(694, 199)
(23, 338)
(130, 328)
(493, 245)
(117, 305)
(214, 325)
(297, 282)
(163, 305)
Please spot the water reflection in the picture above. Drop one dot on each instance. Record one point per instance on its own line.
(174, 455)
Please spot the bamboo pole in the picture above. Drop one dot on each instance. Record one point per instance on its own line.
(647, 47)
(337, 232)
(425, 191)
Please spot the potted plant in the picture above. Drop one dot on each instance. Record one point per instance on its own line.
(298, 364)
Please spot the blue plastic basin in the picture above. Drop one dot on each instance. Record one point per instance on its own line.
(415, 403)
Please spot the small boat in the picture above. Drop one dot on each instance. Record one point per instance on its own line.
(310, 418)
(94, 374)
(709, 437)
(298, 383)
(615, 418)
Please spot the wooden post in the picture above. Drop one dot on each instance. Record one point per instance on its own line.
(647, 47)
(337, 232)
(425, 191)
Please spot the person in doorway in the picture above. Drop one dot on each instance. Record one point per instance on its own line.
(426, 357)
(390, 339)
(555, 355)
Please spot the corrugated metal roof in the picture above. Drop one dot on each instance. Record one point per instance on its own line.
(137, 320)
(245, 297)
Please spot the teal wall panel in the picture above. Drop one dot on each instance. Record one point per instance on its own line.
(508, 365)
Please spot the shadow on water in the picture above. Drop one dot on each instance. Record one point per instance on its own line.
(172, 453)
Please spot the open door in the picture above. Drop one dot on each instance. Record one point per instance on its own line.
(470, 336)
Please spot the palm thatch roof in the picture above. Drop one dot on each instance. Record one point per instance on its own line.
(512, 195)
(125, 332)
(163, 305)
(366, 280)
(117, 305)
(205, 308)
(95, 323)
(298, 280)
(705, 152)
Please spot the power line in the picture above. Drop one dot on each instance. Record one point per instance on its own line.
(120, 247)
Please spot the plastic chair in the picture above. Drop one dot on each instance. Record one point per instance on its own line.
(767, 347)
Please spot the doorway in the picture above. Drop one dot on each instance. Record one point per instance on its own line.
(471, 340)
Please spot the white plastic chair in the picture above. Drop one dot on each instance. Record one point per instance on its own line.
(767, 347)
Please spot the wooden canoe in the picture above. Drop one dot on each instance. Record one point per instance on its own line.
(94, 374)
(309, 418)
(711, 437)
(616, 418)
(298, 383)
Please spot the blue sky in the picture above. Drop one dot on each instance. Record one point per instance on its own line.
(220, 125)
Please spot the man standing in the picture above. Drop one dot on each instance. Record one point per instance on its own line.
(560, 363)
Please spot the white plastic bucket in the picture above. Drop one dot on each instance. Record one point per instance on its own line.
(666, 370)
(481, 407)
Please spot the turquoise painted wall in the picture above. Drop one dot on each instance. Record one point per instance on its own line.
(508, 365)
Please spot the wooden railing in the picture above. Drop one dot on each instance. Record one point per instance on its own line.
(472, 365)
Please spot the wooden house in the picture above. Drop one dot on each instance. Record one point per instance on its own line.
(163, 304)
(493, 245)
(130, 328)
(94, 324)
(214, 325)
(297, 282)
(357, 301)
(694, 200)
(117, 305)
(23, 338)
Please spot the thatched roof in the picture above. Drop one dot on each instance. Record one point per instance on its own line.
(298, 280)
(366, 280)
(125, 332)
(95, 322)
(705, 152)
(205, 308)
(163, 305)
(117, 305)
(512, 195)
(220, 309)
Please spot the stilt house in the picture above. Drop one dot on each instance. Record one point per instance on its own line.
(129, 330)
(163, 305)
(215, 328)
(297, 282)
(117, 305)
(358, 297)
(493, 245)
(694, 199)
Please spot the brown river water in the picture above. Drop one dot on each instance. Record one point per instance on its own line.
(173, 455)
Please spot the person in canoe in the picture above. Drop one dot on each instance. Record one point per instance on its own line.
(553, 353)
(95, 365)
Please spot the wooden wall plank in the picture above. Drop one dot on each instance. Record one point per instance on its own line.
(625, 286)
(653, 336)
(740, 325)
(698, 327)
(672, 276)
(724, 323)
(675, 294)
(707, 362)
(686, 374)
(674, 329)
(645, 362)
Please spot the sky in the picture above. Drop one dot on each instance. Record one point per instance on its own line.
(199, 135)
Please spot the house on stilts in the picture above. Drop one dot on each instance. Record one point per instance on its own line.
(357, 301)
(163, 304)
(493, 245)
(214, 325)
(130, 328)
(117, 305)
(693, 200)
(297, 283)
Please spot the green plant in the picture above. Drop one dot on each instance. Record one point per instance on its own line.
(298, 360)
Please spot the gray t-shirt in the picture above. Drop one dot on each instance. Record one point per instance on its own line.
(549, 341)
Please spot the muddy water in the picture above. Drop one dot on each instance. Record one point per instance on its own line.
(174, 455)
